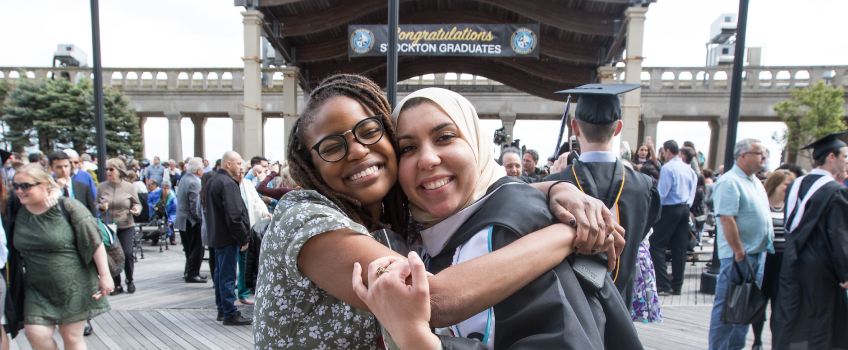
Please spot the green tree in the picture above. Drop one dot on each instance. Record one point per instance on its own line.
(123, 134)
(60, 113)
(812, 113)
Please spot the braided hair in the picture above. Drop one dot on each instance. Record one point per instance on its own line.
(396, 205)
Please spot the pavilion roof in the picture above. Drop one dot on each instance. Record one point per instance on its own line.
(576, 36)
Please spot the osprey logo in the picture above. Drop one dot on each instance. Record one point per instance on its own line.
(523, 41)
(362, 40)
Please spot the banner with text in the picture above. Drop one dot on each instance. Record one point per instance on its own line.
(480, 40)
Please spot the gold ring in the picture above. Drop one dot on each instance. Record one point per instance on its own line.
(381, 270)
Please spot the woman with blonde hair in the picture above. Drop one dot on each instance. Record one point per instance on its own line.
(63, 260)
(118, 203)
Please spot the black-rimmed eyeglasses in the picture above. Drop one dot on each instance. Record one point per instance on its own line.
(333, 147)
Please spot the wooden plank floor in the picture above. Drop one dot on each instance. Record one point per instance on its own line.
(167, 313)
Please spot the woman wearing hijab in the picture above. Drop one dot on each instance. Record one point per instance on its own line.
(461, 196)
(341, 154)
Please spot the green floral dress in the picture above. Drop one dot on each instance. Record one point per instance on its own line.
(291, 311)
(61, 276)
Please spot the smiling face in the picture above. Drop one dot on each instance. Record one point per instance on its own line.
(512, 164)
(35, 195)
(366, 173)
(437, 167)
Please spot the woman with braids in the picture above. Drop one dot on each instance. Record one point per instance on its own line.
(341, 153)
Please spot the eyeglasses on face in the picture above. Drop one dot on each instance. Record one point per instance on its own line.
(758, 154)
(24, 186)
(333, 147)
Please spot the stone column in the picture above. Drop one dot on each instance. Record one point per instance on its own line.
(631, 106)
(650, 123)
(439, 79)
(289, 104)
(718, 142)
(141, 122)
(508, 119)
(175, 138)
(606, 75)
(238, 133)
(252, 122)
(199, 136)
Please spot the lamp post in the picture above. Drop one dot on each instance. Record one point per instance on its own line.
(99, 120)
(391, 73)
(709, 278)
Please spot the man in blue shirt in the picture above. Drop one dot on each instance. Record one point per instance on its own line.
(677, 187)
(155, 171)
(744, 230)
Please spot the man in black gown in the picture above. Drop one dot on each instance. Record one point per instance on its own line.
(600, 174)
(812, 306)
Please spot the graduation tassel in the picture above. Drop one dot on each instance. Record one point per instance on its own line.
(562, 125)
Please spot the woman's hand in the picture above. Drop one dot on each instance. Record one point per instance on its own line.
(593, 221)
(52, 198)
(107, 285)
(275, 168)
(104, 206)
(403, 310)
(134, 211)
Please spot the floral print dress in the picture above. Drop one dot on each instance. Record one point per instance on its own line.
(291, 311)
(646, 302)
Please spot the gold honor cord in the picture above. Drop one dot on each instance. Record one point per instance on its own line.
(615, 205)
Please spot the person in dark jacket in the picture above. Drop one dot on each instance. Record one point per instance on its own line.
(188, 220)
(227, 224)
(61, 166)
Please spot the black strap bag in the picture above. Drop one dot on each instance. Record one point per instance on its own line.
(744, 303)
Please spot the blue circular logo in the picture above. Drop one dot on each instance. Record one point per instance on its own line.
(523, 41)
(362, 40)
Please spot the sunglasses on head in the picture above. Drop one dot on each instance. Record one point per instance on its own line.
(25, 186)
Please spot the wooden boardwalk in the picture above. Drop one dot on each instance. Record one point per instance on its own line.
(166, 313)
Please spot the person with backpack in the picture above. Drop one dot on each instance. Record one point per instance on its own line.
(117, 202)
(65, 286)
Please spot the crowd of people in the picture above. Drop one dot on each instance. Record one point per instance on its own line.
(56, 214)
(409, 218)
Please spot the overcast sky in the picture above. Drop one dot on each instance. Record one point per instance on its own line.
(208, 33)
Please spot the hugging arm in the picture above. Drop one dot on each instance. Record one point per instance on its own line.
(456, 293)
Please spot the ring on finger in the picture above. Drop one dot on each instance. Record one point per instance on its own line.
(381, 270)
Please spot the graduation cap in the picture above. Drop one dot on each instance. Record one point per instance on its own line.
(599, 103)
(825, 145)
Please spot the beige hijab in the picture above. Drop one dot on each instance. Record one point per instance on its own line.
(463, 114)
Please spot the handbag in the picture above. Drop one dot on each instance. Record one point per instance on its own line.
(114, 254)
(744, 303)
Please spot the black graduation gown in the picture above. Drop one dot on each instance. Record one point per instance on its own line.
(15, 277)
(639, 208)
(812, 309)
(555, 311)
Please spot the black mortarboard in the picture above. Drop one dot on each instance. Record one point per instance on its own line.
(825, 145)
(599, 103)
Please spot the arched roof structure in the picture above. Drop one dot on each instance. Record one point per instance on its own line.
(576, 37)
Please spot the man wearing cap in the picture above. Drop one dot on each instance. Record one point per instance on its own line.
(630, 195)
(80, 175)
(744, 234)
(812, 304)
